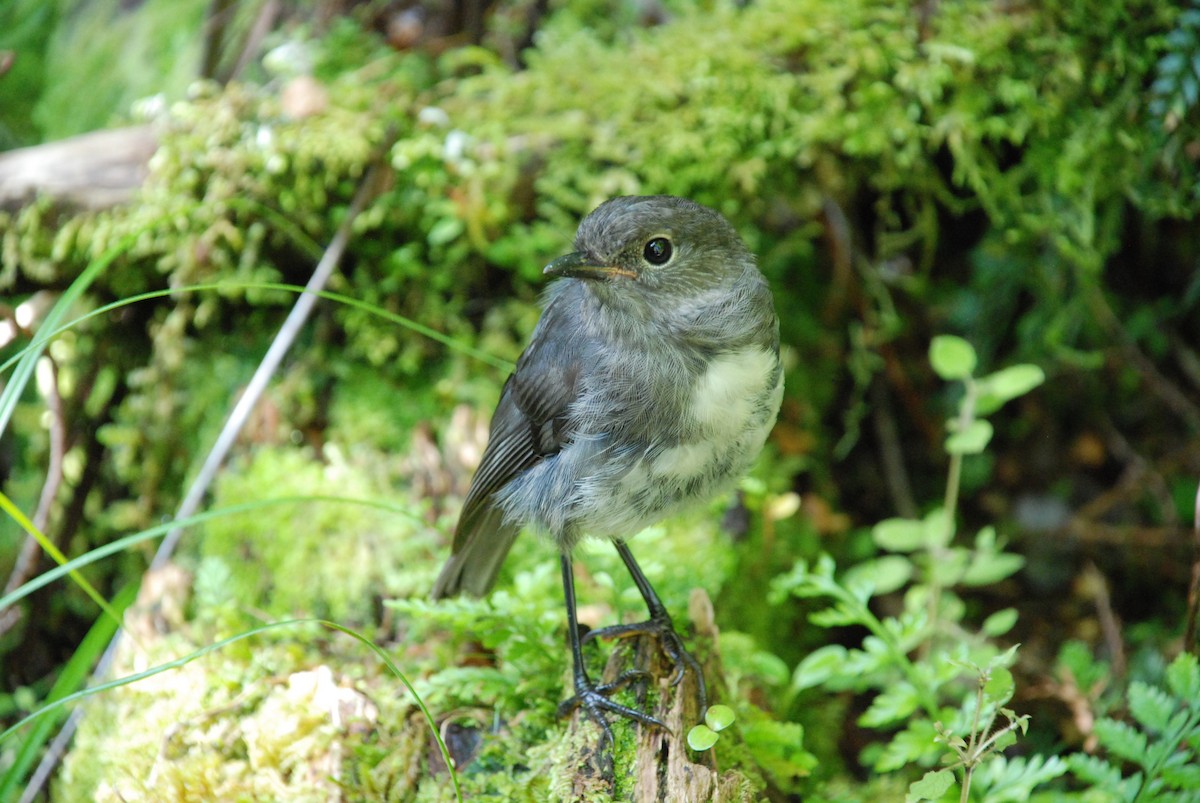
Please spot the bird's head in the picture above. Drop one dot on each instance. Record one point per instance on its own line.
(654, 249)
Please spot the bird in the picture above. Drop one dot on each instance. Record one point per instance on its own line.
(648, 387)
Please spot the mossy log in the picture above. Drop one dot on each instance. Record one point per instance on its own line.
(94, 171)
(663, 769)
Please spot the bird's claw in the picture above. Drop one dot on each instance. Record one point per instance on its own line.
(672, 645)
(594, 699)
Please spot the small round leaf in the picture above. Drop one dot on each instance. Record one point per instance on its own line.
(972, 440)
(899, 535)
(719, 717)
(701, 737)
(952, 357)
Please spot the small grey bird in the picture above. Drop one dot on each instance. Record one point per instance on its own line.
(648, 387)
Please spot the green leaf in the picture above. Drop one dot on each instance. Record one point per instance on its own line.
(1006, 780)
(1094, 770)
(892, 705)
(972, 440)
(999, 622)
(884, 574)
(999, 685)
(950, 566)
(1121, 739)
(1183, 776)
(818, 666)
(778, 747)
(719, 717)
(1006, 658)
(899, 535)
(932, 786)
(916, 743)
(701, 737)
(1183, 678)
(986, 569)
(1150, 706)
(1005, 385)
(939, 529)
(1004, 741)
(951, 357)
(837, 615)
(445, 230)
(1088, 672)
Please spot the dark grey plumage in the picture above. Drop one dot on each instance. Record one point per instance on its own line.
(649, 385)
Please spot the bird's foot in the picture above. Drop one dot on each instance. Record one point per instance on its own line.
(594, 699)
(663, 629)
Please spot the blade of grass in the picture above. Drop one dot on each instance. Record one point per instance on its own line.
(395, 670)
(21, 519)
(407, 323)
(12, 391)
(71, 677)
(151, 533)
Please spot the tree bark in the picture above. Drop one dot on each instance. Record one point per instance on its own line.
(94, 171)
(664, 769)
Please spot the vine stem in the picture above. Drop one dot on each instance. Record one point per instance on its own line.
(966, 415)
(970, 759)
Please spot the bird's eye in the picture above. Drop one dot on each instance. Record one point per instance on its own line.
(657, 251)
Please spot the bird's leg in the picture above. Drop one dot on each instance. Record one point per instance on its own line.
(659, 624)
(591, 697)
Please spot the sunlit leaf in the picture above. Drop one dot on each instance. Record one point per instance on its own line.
(818, 666)
(899, 535)
(701, 737)
(719, 717)
(884, 574)
(1005, 385)
(951, 357)
(892, 705)
(972, 440)
(932, 786)
(999, 622)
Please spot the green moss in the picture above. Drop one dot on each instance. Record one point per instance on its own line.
(268, 723)
(319, 558)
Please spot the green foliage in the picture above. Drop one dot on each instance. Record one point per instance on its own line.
(1161, 745)
(1175, 95)
(1057, 128)
(519, 630)
(103, 56)
(716, 719)
(25, 29)
(322, 559)
(916, 660)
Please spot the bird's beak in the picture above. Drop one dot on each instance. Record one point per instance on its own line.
(579, 266)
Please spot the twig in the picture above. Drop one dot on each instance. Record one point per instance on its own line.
(1189, 633)
(27, 561)
(262, 26)
(1171, 396)
(891, 452)
(1096, 583)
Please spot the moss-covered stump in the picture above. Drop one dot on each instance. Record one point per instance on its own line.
(657, 766)
(292, 714)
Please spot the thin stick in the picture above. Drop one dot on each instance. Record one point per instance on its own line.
(31, 550)
(1189, 633)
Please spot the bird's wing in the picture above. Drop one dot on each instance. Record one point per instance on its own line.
(529, 425)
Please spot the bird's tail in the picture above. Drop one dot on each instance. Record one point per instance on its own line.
(478, 555)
